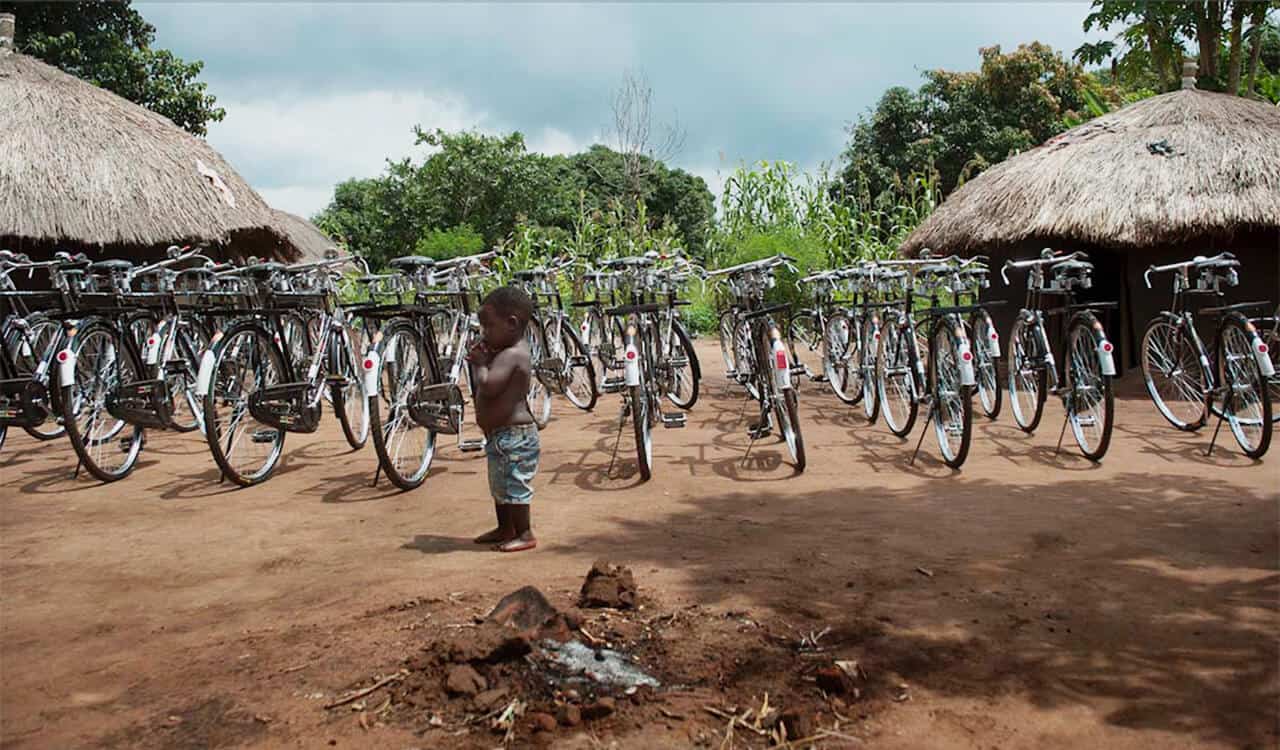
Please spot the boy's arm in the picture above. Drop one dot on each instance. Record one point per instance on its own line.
(492, 379)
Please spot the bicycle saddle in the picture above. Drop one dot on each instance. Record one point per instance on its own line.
(110, 266)
(530, 274)
(637, 262)
(411, 263)
(1069, 266)
(262, 269)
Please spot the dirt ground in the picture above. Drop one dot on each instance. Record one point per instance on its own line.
(1030, 600)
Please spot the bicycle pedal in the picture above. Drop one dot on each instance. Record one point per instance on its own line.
(674, 419)
(579, 360)
(125, 444)
(818, 378)
(338, 380)
(678, 362)
(731, 374)
(759, 431)
(613, 385)
(553, 365)
(616, 364)
(264, 436)
(1087, 421)
(471, 445)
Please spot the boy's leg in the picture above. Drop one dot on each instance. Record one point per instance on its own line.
(522, 464)
(498, 470)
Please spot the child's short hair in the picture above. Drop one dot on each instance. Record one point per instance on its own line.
(510, 300)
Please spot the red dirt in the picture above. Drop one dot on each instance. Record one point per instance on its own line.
(1134, 604)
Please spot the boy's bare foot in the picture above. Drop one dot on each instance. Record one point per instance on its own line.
(519, 544)
(498, 535)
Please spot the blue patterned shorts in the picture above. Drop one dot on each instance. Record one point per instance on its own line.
(513, 460)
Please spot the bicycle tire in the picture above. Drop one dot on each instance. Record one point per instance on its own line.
(986, 368)
(726, 330)
(585, 401)
(244, 345)
(643, 428)
(1238, 373)
(26, 365)
(896, 382)
(787, 408)
(1171, 366)
(805, 344)
(402, 364)
(868, 353)
(94, 450)
(952, 402)
(1082, 363)
(1025, 377)
(350, 402)
(844, 381)
(190, 345)
(694, 378)
(539, 396)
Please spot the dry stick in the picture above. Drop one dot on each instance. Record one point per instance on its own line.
(734, 720)
(362, 693)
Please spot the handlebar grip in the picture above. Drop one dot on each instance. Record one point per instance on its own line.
(1004, 271)
(1147, 276)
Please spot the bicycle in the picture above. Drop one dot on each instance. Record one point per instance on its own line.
(826, 332)
(561, 362)
(256, 388)
(1231, 380)
(944, 379)
(756, 352)
(416, 366)
(1086, 394)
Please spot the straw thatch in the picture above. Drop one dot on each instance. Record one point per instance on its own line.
(1100, 184)
(83, 168)
(307, 237)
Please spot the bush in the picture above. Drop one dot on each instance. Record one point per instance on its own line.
(810, 254)
(442, 244)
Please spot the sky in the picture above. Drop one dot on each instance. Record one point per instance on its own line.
(319, 93)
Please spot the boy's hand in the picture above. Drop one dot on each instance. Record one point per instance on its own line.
(479, 354)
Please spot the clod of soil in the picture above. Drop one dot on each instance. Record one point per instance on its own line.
(522, 609)
(608, 586)
(464, 680)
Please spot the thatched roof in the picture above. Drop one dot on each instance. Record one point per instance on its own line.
(1101, 184)
(82, 167)
(304, 235)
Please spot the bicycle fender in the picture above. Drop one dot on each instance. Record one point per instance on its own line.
(371, 367)
(781, 367)
(967, 376)
(993, 341)
(151, 350)
(1261, 352)
(1106, 358)
(630, 359)
(204, 377)
(67, 365)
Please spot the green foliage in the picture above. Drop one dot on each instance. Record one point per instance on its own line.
(109, 44)
(957, 124)
(443, 244)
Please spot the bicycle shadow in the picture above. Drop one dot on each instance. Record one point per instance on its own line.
(62, 479)
(360, 488)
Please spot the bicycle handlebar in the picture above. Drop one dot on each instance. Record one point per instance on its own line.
(1046, 259)
(763, 263)
(1226, 260)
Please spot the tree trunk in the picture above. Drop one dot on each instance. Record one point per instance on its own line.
(1208, 18)
(1256, 19)
(1235, 56)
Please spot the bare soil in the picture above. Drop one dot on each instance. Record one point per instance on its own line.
(1031, 600)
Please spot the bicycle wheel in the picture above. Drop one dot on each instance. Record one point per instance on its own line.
(685, 380)
(103, 363)
(405, 448)
(539, 396)
(1247, 404)
(346, 389)
(952, 402)
(841, 356)
(985, 342)
(786, 406)
(643, 427)
(27, 348)
(898, 399)
(1028, 381)
(728, 342)
(1175, 378)
(181, 370)
(1271, 337)
(296, 342)
(598, 344)
(246, 360)
(867, 354)
(745, 358)
(805, 343)
(581, 389)
(1090, 403)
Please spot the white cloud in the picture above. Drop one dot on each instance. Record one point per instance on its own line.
(553, 141)
(296, 148)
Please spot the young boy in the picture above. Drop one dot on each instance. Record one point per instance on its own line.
(502, 375)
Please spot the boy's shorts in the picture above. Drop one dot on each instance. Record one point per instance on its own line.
(513, 460)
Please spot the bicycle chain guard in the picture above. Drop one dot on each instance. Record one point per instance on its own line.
(145, 403)
(284, 407)
(19, 399)
(439, 407)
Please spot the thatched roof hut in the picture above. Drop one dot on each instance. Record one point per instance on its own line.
(1164, 179)
(307, 237)
(82, 168)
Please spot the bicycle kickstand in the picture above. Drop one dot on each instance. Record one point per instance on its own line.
(616, 439)
(1065, 418)
(923, 432)
(377, 472)
(1221, 416)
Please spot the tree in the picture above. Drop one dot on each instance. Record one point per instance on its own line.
(109, 44)
(959, 123)
(640, 142)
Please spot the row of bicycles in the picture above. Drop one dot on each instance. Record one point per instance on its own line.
(902, 336)
(103, 351)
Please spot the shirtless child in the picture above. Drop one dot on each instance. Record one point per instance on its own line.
(502, 371)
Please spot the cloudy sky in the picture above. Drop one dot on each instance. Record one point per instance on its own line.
(318, 93)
